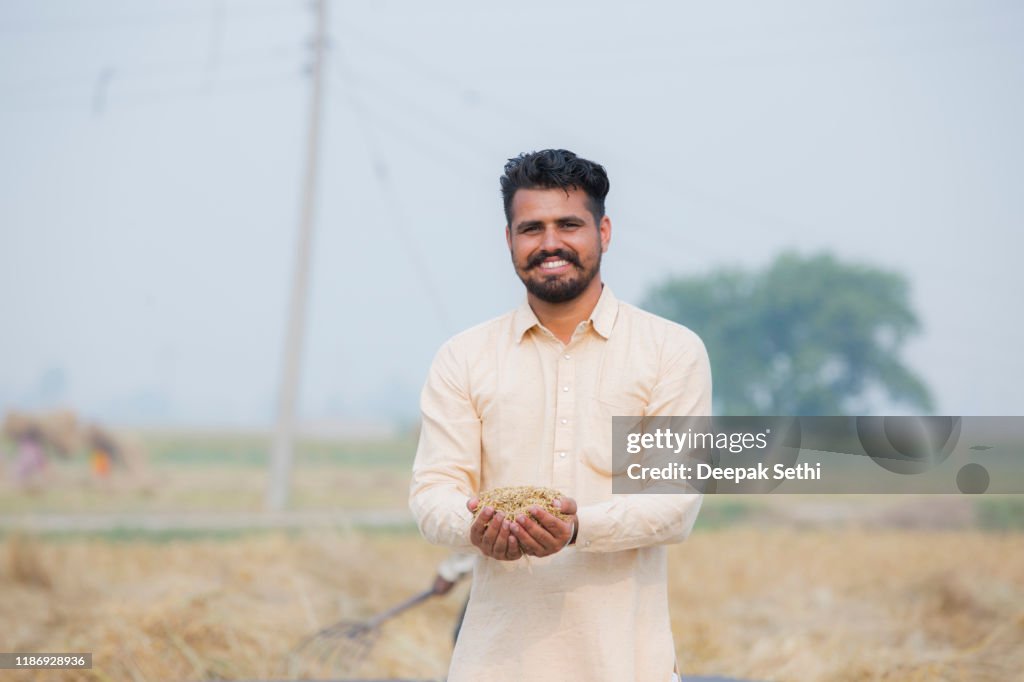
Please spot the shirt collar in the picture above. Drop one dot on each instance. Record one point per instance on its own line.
(605, 312)
(602, 318)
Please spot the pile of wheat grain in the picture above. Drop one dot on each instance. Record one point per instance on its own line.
(512, 501)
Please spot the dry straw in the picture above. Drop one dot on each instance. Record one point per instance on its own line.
(24, 563)
(515, 500)
(916, 605)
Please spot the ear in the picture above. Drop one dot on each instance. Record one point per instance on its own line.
(508, 237)
(605, 228)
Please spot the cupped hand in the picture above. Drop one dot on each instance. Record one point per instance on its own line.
(541, 533)
(492, 534)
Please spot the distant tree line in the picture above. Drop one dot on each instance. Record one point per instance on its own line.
(806, 335)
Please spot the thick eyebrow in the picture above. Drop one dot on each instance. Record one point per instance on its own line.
(526, 224)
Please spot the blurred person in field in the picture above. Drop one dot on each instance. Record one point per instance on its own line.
(30, 460)
(104, 452)
(527, 399)
(453, 569)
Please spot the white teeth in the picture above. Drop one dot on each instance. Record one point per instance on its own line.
(554, 264)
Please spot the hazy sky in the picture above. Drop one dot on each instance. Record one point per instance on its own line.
(152, 154)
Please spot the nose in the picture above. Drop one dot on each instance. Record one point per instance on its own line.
(552, 238)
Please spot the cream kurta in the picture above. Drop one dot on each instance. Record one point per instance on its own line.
(506, 403)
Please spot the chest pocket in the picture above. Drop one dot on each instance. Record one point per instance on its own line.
(597, 441)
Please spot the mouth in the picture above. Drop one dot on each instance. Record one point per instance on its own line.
(553, 265)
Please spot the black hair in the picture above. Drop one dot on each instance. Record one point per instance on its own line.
(551, 168)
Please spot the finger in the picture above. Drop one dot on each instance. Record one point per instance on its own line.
(526, 542)
(476, 531)
(558, 528)
(491, 533)
(566, 505)
(515, 551)
(472, 503)
(539, 534)
(501, 542)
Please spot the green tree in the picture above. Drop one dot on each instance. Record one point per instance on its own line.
(804, 336)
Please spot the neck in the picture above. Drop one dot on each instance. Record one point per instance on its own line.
(561, 319)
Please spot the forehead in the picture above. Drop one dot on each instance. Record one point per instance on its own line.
(549, 204)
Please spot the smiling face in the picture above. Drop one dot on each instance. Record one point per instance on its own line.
(555, 243)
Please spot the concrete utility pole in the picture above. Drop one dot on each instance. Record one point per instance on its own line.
(279, 478)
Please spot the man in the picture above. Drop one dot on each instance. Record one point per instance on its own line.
(527, 399)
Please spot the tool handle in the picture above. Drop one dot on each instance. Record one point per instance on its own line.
(399, 608)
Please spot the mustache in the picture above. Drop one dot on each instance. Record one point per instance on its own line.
(558, 253)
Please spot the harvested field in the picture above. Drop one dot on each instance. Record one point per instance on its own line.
(759, 603)
(217, 474)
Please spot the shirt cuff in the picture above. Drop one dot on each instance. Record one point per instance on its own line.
(587, 527)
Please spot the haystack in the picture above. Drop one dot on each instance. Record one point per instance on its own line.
(59, 429)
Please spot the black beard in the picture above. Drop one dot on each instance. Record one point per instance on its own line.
(554, 290)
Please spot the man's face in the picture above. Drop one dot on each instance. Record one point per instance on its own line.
(555, 243)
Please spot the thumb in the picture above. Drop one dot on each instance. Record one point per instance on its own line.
(566, 505)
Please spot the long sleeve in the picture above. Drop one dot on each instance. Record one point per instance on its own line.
(640, 520)
(446, 471)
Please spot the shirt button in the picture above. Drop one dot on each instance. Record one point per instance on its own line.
(566, 356)
(565, 389)
(565, 421)
(587, 543)
(562, 455)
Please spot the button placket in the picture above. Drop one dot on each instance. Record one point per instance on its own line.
(565, 403)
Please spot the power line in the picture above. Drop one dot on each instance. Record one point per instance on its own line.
(511, 112)
(118, 100)
(409, 105)
(155, 68)
(421, 143)
(390, 197)
(113, 22)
